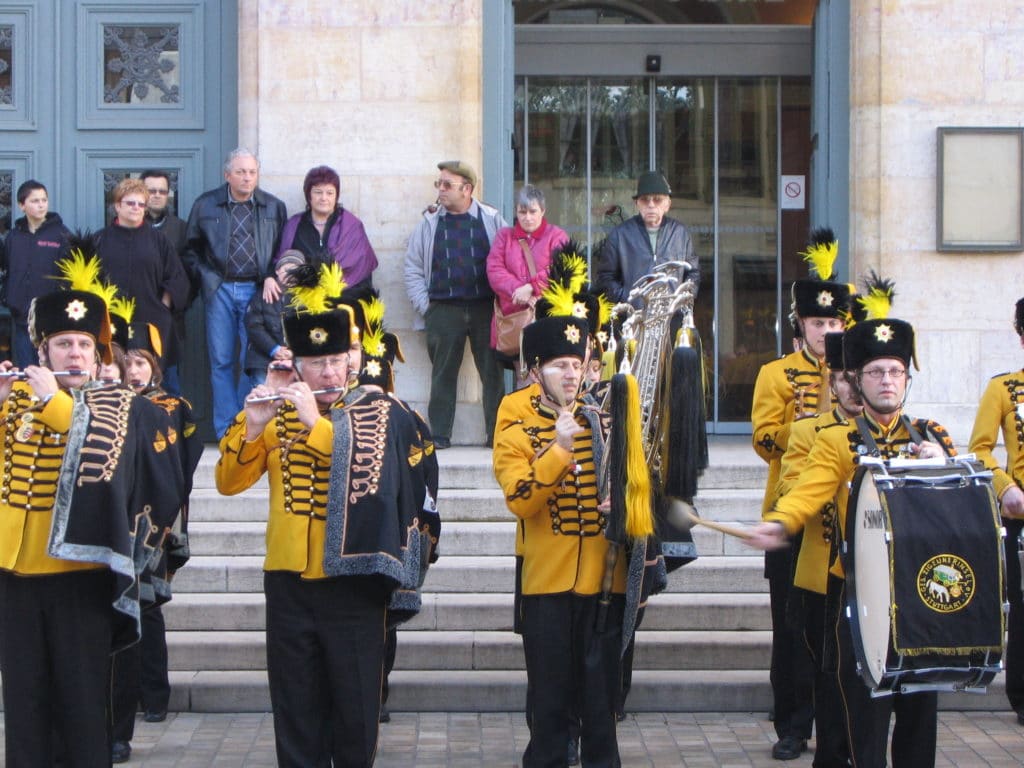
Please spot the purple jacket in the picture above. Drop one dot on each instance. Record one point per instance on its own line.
(346, 242)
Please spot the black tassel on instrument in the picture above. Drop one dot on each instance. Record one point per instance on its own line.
(616, 529)
(687, 449)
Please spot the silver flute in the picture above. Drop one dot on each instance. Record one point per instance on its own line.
(21, 375)
(272, 398)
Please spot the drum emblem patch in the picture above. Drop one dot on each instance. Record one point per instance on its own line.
(945, 583)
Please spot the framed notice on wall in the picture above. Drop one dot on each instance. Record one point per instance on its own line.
(980, 200)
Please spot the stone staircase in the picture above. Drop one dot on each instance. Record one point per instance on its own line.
(704, 644)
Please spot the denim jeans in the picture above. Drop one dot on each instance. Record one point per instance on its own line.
(226, 341)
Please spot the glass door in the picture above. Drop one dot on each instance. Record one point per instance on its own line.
(722, 143)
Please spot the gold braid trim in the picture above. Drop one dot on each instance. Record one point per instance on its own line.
(108, 427)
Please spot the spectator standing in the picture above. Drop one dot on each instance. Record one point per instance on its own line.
(233, 233)
(158, 184)
(141, 261)
(446, 280)
(263, 322)
(29, 255)
(638, 244)
(327, 232)
(508, 269)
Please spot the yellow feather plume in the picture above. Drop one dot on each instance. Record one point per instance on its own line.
(561, 298)
(81, 274)
(604, 310)
(822, 258)
(576, 266)
(877, 303)
(122, 307)
(373, 338)
(322, 296)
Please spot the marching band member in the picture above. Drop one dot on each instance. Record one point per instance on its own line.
(1002, 407)
(880, 352)
(85, 480)
(342, 534)
(572, 605)
(791, 388)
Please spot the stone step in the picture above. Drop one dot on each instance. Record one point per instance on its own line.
(241, 611)
(483, 650)
(505, 691)
(462, 505)
(476, 539)
(733, 464)
(243, 573)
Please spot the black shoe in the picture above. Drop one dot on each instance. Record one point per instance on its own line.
(155, 717)
(120, 752)
(574, 752)
(1020, 717)
(620, 715)
(789, 748)
(384, 716)
(440, 443)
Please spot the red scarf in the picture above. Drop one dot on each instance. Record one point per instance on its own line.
(519, 233)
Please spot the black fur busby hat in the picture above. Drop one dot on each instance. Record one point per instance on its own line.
(316, 323)
(872, 339)
(1018, 318)
(145, 337)
(82, 308)
(821, 296)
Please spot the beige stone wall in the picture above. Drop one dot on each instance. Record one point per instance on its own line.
(917, 65)
(381, 92)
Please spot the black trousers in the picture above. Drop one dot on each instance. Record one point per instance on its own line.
(325, 662)
(867, 718)
(390, 651)
(830, 749)
(139, 673)
(1014, 656)
(55, 637)
(571, 669)
(792, 671)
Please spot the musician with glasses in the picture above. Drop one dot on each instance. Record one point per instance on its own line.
(652, 237)
(342, 537)
(789, 389)
(1002, 408)
(446, 280)
(880, 352)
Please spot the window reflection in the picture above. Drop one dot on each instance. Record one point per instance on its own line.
(6, 65)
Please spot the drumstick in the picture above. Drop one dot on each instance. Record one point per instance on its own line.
(271, 398)
(689, 518)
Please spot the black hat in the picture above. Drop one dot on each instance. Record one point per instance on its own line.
(71, 311)
(145, 337)
(871, 339)
(820, 295)
(555, 336)
(834, 351)
(1018, 318)
(316, 323)
(652, 183)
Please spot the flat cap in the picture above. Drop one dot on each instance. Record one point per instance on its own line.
(459, 168)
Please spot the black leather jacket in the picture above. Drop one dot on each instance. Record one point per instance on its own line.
(627, 256)
(209, 231)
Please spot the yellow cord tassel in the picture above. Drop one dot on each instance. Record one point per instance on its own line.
(639, 520)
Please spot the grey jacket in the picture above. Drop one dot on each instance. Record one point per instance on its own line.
(420, 251)
(627, 255)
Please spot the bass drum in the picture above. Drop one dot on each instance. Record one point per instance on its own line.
(925, 588)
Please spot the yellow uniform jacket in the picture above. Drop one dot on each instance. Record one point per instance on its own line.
(1001, 407)
(817, 549)
(831, 463)
(786, 390)
(553, 492)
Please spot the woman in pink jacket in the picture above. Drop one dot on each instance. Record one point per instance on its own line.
(507, 268)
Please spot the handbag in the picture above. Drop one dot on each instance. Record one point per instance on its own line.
(510, 326)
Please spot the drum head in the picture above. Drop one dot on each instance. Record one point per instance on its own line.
(868, 580)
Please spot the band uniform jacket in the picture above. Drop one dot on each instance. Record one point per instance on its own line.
(1001, 406)
(818, 546)
(788, 389)
(90, 481)
(832, 461)
(344, 499)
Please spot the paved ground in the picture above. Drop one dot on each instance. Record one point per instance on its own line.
(495, 740)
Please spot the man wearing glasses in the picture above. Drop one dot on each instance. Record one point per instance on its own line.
(446, 279)
(651, 237)
(879, 351)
